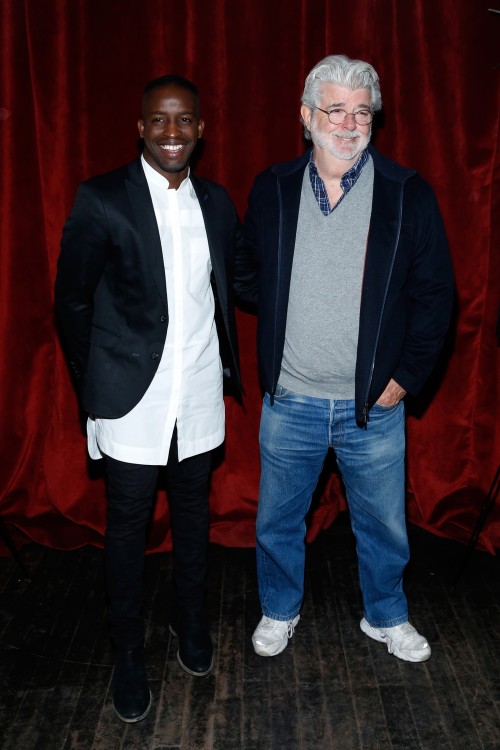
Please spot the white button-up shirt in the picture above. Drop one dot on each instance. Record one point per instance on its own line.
(187, 387)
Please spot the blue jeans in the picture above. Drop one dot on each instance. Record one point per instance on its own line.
(295, 435)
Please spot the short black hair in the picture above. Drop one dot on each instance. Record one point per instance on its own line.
(168, 80)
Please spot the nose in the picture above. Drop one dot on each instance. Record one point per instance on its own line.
(171, 128)
(349, 122)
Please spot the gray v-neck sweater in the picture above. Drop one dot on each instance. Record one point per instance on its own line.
(319, 357)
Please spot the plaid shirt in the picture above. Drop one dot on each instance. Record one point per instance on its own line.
(346, 183)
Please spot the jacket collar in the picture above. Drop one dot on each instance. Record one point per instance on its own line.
(136, 173)
(386, 167)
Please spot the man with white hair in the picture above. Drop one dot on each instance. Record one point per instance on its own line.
(355, 291)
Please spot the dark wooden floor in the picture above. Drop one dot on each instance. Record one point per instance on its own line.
(332, 688)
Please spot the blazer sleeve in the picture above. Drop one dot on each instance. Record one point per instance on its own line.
(83, 256)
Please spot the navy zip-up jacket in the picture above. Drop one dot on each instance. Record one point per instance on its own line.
(407, 291)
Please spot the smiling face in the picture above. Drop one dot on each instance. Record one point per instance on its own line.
(346, 141)
(170, 126)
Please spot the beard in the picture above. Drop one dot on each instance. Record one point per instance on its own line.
(342, 145)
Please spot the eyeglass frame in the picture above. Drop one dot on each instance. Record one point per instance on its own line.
(346, 115)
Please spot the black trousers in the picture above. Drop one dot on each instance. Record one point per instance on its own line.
(131, 491)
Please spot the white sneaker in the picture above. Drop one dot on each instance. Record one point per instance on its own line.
(270, 637)
(402, 640)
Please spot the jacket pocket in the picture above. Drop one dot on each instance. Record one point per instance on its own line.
(104, 337)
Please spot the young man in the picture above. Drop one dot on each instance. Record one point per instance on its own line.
(146, 269)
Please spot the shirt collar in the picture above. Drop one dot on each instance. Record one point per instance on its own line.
(156, 178)
(347, 181)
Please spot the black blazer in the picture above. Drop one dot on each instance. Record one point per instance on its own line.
(110, 292)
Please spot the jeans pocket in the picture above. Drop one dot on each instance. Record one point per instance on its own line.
(280, 392)
(381, 409)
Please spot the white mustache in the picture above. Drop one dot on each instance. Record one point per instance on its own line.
(349, 135)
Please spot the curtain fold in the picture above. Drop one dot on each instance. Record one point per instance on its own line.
(71, 78)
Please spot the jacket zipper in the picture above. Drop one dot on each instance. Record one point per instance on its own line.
(372, 367)
(280, 240)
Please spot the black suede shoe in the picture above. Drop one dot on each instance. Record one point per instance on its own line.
(195, 653)
(132, 699)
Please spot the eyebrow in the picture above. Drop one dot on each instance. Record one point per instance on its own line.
(343, 104)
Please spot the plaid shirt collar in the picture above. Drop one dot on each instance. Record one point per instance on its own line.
(347, 182)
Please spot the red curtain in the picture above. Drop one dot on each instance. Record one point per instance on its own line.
(71, 80)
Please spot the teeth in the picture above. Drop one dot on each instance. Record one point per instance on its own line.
(171, 148)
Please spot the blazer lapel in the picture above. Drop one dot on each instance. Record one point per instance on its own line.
(142, 207)
(209, 211)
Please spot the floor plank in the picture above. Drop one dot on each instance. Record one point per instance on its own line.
(331, 689)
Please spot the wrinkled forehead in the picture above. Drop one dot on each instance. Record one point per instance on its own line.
(335, 95)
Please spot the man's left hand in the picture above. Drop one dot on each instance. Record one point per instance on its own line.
(392, 394)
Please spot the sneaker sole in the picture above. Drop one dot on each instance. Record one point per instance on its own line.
(257, 650)
(403, 655)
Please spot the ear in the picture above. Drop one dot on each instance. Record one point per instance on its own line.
(140, 126)
(201, 127)
(306, 114)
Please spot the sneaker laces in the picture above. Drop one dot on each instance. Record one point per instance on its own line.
(271, 625)
(408, 631)
(407, 637)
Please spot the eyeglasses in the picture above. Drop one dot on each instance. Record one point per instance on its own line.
(338, 116)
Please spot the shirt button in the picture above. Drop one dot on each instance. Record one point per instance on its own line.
(163, 319)
(155, 355)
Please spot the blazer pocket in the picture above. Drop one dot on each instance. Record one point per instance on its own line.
(104, 337)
